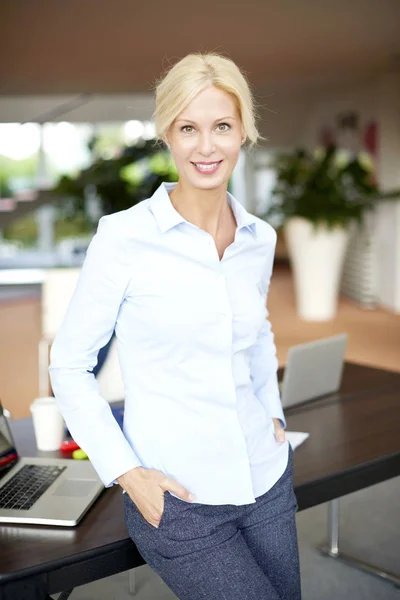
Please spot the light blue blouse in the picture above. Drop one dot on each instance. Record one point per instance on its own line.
(196, 351)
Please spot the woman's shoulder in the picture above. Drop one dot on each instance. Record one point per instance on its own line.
(124, 224)
(265, 232)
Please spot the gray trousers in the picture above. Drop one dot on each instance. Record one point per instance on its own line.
(224, 552)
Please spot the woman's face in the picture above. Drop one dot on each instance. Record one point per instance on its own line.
(205, 139)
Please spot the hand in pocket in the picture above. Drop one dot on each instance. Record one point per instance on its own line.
(146, 488)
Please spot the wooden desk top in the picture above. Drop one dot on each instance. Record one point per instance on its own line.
(354, 442)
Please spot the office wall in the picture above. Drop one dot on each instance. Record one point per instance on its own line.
(388, 108)
(282, 118)
(323, 110)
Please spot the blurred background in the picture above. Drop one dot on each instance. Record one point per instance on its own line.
(77, 142)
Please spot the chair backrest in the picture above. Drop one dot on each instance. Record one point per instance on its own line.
(57, 289)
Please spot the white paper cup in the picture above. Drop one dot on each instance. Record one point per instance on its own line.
(47, 423)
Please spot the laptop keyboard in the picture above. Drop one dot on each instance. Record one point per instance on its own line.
(25, 488)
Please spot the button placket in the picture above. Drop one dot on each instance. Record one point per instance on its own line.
(228, 319)
(225, 306)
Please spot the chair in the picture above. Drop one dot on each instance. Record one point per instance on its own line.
(57, 289)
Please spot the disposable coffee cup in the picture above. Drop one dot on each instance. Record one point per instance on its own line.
(48, 423)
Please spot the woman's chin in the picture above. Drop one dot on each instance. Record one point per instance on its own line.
(208, 182)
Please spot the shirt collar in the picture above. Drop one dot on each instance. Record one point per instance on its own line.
(167, 217)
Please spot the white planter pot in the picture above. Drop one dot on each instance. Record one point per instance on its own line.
(317, 261)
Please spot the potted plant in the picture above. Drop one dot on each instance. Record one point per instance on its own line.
(317, 198)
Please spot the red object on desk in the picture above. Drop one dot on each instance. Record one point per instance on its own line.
(8, 458)
(69, 446)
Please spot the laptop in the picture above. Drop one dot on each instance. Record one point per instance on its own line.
(43, 491)
(313, 370)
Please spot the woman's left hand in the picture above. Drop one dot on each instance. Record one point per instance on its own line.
(280, 434)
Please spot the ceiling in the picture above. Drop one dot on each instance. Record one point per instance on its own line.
(122, 46)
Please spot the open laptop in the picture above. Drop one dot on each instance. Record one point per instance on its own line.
(43, 491)
(313, 369)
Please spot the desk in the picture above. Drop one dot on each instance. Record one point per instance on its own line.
(354, 443)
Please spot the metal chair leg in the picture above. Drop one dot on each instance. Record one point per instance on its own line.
(132, 582)
(331, 549)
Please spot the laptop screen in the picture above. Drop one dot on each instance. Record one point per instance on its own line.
(8, 453)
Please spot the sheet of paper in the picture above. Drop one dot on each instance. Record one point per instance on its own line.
(296, 438)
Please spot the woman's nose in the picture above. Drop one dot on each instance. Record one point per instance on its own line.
(206, 145)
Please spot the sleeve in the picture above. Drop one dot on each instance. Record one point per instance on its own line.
(263, 360)
(87, 326)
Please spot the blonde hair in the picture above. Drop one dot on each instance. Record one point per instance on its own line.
(190, 76)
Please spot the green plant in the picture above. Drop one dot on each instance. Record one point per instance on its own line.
(13, 171)
(23, 230)
(121, 181)
(329, 187)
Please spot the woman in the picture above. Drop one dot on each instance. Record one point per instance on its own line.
(183, 278)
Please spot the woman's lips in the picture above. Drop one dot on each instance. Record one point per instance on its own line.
(207, 168)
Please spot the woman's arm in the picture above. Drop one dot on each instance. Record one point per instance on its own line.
(87, 326)
(263, 360)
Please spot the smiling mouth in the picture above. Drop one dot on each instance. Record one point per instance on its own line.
(207, 168)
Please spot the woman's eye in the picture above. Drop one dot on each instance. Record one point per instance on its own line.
(220, 127)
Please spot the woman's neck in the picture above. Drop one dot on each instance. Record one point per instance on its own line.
(207, 209)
